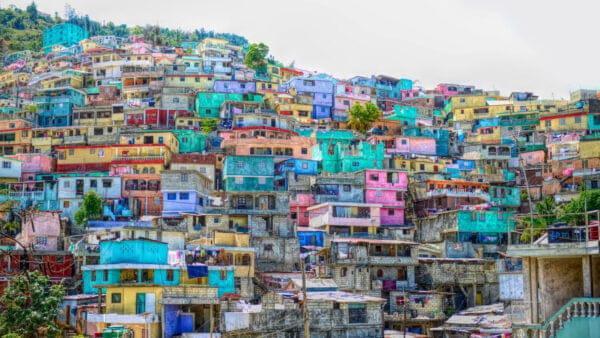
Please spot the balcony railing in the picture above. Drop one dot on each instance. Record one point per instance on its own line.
(139, 158)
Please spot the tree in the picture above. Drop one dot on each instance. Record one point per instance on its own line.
(32, 11)
(546, 215)
(29, 306)
(255, 57)
(361, 118)
(91, 208)
(209, 125)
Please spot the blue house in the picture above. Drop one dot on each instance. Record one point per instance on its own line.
(55, 106)
(130, 261)
(321, 88)
(311, 237)
(223, 278)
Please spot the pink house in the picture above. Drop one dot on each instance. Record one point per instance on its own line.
(34, 164)
(532, 157)
(41, 232)
(388, 188)
(413, 145)
(243, 143)
(298, 208)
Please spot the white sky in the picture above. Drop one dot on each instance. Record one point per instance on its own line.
(547, 47)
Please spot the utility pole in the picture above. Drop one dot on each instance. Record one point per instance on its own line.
(304, 306)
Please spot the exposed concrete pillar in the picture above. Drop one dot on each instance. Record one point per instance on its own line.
(586, 269)
(533, 291)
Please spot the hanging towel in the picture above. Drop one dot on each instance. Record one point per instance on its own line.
(195, 271)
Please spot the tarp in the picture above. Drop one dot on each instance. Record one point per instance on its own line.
(195, 271)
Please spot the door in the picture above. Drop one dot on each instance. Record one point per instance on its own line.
(150, 302)
(140, 303)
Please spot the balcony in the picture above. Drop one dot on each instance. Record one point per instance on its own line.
(79, 139)
(190, 294)
(459, 193)
(138, 158)
(46, 141)
(115, 318)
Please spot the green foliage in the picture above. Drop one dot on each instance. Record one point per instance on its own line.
(546, 215)
(29, 306)
(587, 201)
(255, 57)
(23, 29)
(209, 125)
(32, 108)
(361, 118)
(91, 208)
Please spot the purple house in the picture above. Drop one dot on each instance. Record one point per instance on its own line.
(322, 89)
(234, 87)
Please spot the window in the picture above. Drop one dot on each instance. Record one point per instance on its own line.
(374, 177)
(93, 183)
(106, 183)
(105, 275)
(239, 180)
(66, 204)
(355, 164)
(390, 212)
(548, 123)
(156, 201)
(240, 164)
(421, 167)
(184, 177)
(403, 141)
(262, 180)
(170, 276)
(100, 153)
(115, 298)
(41, 241)
(304, 151)
(343, 272)
(347, 187)
(24, 133)
(66, 184)
(401, 274)
(94, 276)
(379, 273)
(357, 313)
(223, 274)
(482, 217)
(216, 220)
(577, 119)
(378, 193)
(562, 122)
(171, 196)
(184, 196)
(304, 165)
(6, 164)
(268, 247)
(262, 165)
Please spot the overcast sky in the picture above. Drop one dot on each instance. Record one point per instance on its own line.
(547, 47)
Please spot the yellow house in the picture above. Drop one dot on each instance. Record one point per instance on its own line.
(485, 135)
(417, 165)
(74, 81)
(165, 137)
(564, 122)
(88, 44)
(264, 86)
(121, 301)
(10, 79)
(589, 148)
(195, 81)
(209, 44)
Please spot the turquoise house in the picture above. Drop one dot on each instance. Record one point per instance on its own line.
(209, 104)
(249, 173)
(132, 262)
(223, 278)
(505, 196)
(190, 141)
(65, 34)
(485, 221)
(349, 157)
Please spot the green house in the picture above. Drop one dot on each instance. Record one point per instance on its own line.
(248, 173)
(348, 157)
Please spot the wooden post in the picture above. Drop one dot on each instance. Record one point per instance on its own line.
(212, 321)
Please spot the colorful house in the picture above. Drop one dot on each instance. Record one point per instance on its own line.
(388, 188)
(65, 34)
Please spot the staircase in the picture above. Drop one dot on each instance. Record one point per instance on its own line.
(575, 310)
